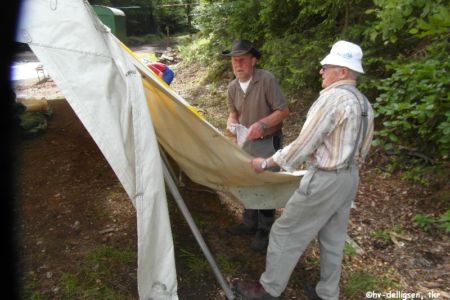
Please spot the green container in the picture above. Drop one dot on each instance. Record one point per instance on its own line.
(114, 18)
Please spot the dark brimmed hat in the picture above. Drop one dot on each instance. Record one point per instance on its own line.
(241, 47)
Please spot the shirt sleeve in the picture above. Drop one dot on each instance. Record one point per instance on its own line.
(274, 94)
(230, 98)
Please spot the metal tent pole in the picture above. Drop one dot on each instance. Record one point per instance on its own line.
(168, 166)
(201, 242)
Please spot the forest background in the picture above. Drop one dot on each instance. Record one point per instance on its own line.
(406, 61)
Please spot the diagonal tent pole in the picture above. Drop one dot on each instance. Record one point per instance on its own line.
(166, 162)
(187, 215)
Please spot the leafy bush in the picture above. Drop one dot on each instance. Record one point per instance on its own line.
(406, 58)
(415, 107)
(222, 22)
(292, 35)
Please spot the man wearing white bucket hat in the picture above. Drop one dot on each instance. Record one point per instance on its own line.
(333, 142)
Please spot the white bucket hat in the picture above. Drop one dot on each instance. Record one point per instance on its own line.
(345, 54)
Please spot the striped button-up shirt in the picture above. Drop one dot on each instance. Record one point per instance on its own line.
(329, 134)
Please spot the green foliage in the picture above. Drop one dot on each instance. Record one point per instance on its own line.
(109, 255)
(349, 251)
(224, 21)
(30, 289)
(437, 23)
(197, 50)
(428, 222)
(93, 280)
(170, 19)
(414, 105)
(361, 282)
(292, 35)
(381, 234)
(416, 175)
(396, 21)
(69, 283)
(385, 234)
(157, 16)
(444, 221)
(406, 56)
(228, 266)
(296, 69)
(423, 221)
(410, 39)
(196, 264)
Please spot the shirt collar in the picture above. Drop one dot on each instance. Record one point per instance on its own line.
(338, 83)
(256, 76)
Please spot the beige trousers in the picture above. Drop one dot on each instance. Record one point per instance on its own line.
(320, 206)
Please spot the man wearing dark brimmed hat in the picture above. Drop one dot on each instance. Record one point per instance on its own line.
(255, 101)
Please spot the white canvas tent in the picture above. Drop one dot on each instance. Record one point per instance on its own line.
(105, 91)
(102, 81)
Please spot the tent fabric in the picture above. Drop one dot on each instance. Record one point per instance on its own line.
(105, 91)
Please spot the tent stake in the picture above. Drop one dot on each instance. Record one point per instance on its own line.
(201, 242)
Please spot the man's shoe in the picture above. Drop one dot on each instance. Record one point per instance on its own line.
(260, 241)
(310, 290)
(241, 229)
(253, 291)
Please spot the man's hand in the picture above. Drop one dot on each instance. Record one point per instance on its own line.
(256, 164)
(231, 128)
(231, 123)
(256, 131)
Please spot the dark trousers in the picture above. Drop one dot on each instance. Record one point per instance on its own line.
(262, 219)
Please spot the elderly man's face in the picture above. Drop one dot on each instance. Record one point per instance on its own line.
(331, 74)
(243, 66)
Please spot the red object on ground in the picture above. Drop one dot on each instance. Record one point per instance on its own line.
(157, 68)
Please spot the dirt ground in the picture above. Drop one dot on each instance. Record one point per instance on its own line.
(72, 210)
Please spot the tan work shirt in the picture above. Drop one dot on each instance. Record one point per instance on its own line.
(263, 97)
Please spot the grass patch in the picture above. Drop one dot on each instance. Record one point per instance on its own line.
(196, 264)
(30, 288)
(96, 278)
(115, 192)
(385, 234)
(226, 265)
(199, 221)
(349, 251)
(359, 283)
(195, 50)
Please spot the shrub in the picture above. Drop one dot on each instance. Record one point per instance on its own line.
(414, 107)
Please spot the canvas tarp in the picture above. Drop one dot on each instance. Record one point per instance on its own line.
(112, 93)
